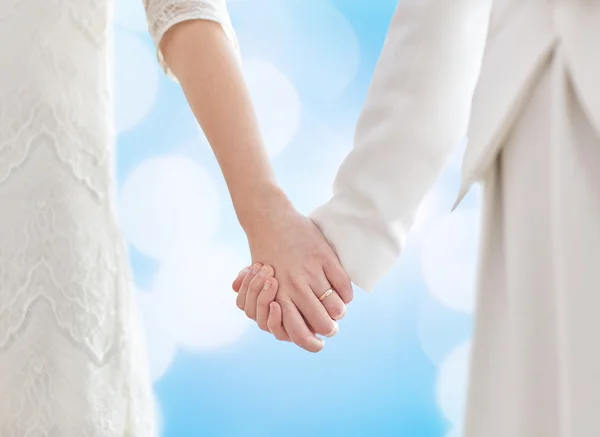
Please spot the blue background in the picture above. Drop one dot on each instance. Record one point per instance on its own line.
(398, 365)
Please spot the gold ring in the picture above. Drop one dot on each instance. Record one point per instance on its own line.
(324, 295)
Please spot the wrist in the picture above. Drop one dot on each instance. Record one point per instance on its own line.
(259, 205)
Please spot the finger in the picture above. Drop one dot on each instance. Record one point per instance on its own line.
(338, 279)
(312, 310)
(266, 296)
(256, 285)
(275, 322)
(237, 283)
(295, 326)
(241, 297)
(329, 298)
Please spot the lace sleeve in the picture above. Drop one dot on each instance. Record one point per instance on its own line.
(163, 14)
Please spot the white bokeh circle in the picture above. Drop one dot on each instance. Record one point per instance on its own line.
(276, 102)
(159, 339)
(449, 259)
(167, 201)
(324, 165)
(452, 384)
(440, 329)
(198, 304)
(262, 26)
(130, 14)
(135, 79)
(324, 48)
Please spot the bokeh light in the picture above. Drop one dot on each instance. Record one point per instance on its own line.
(136, 79)
(167, 201)
(307, 64)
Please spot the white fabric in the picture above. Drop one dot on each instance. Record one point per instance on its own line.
(536, 362)
(164, 14)
(416, 111)
(72, 355)
(444, 62)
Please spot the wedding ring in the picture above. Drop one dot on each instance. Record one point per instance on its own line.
(324, 295)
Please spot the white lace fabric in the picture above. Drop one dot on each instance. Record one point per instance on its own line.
(164, 14)
(72, 354)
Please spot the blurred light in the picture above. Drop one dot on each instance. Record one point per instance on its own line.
(193, 289)
(449, 259)
(167, 201)
(136, 80)
(452, 384)
(130, 14)
(158, 416)
(323, 50)
(159, 339)
(440, 329)
(276, 103)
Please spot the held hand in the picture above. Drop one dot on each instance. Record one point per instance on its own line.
(262, 292)
(268, 312)
(307, 268)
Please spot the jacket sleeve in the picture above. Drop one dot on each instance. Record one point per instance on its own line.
(417, 109)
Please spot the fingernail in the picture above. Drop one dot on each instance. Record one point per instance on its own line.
(267, 285)
(272, 306)
(244, 271)
(264, 271)
(341, 316)
(335, 331)
(255, 269)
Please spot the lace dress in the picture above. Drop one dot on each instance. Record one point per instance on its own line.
(72, 354)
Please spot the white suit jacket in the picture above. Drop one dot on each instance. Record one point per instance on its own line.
(448, 68)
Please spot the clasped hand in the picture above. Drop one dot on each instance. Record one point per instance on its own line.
(296, 288)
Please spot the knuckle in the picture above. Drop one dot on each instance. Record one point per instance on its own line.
(325, 257)
(298, 280)
(244, 286)
(255, 284)
(264, 299)
(253, 295)
(330, 260)
(346, 292)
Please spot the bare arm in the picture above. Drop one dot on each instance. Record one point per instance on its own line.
(203, 59)
(195, 38)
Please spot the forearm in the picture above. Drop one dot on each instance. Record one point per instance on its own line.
(416, 111)
(204, 61)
